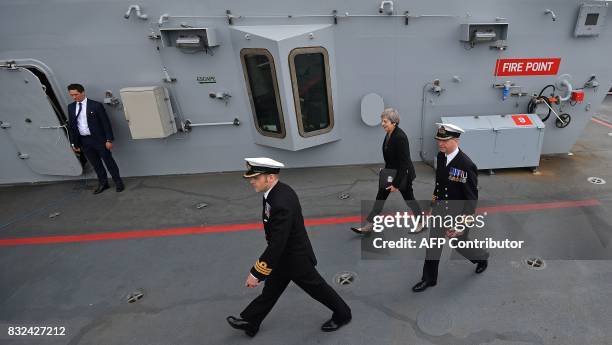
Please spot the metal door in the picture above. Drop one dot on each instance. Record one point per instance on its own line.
(27, 117)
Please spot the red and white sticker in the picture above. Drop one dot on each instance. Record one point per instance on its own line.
(522, 120)
(517, 67)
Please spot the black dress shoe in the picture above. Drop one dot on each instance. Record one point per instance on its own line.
(481, 266)
(243, 325)
(419, 229)
(119, 188)
(331, 325)
(101, 188)
(422, 285)
(364, 230)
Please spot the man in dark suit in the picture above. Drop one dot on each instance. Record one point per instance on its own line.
(91, 133)
(455, 194)
(396, 152)
(288, 256)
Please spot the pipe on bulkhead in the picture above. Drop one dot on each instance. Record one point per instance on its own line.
(164, 17)
(139, 13)
(569, 88)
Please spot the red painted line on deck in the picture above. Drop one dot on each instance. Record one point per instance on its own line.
(122, 235)
(601, 122)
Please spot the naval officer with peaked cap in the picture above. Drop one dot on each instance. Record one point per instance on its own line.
(288, 256)
(455, 194)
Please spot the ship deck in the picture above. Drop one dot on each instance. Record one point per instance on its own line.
(70, 259)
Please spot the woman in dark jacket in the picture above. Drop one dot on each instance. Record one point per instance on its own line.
(396, 152)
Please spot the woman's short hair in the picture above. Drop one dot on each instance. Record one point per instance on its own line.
(391, 114)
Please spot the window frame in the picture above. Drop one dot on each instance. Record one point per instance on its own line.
(265, 52)
(296, 96)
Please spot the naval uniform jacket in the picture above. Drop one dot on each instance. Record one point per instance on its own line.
(396, 152)
(456, 190)
(285, 233)
(97, 121)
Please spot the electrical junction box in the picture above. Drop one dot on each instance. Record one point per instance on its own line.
(501, 141)
(148, 112)
(591, 19)
(577, 96)
(493, 33)
(186, 37)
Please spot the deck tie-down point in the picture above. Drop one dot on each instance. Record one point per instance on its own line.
(135, 296)
(345, 278)
(535, 263)
(344, 196)
(596, 180)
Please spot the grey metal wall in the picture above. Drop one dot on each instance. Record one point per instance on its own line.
(92, 43)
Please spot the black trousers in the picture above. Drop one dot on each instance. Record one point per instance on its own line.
(303, 273)
(432, 255)
(96, 152)
(383, 194)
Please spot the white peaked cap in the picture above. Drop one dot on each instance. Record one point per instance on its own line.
(450, 127)
(264, 162)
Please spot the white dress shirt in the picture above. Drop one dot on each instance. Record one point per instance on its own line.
(82, 117)
(266, 193)
(450, 156)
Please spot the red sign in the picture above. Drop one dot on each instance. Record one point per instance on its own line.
(514, 67)
(522, 120)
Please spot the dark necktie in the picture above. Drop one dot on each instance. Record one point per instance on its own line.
(79, 111)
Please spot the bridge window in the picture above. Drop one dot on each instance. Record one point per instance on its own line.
(260, 75)
(311, 90)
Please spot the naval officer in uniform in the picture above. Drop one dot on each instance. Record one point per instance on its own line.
(455, 194)
(288, 256)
